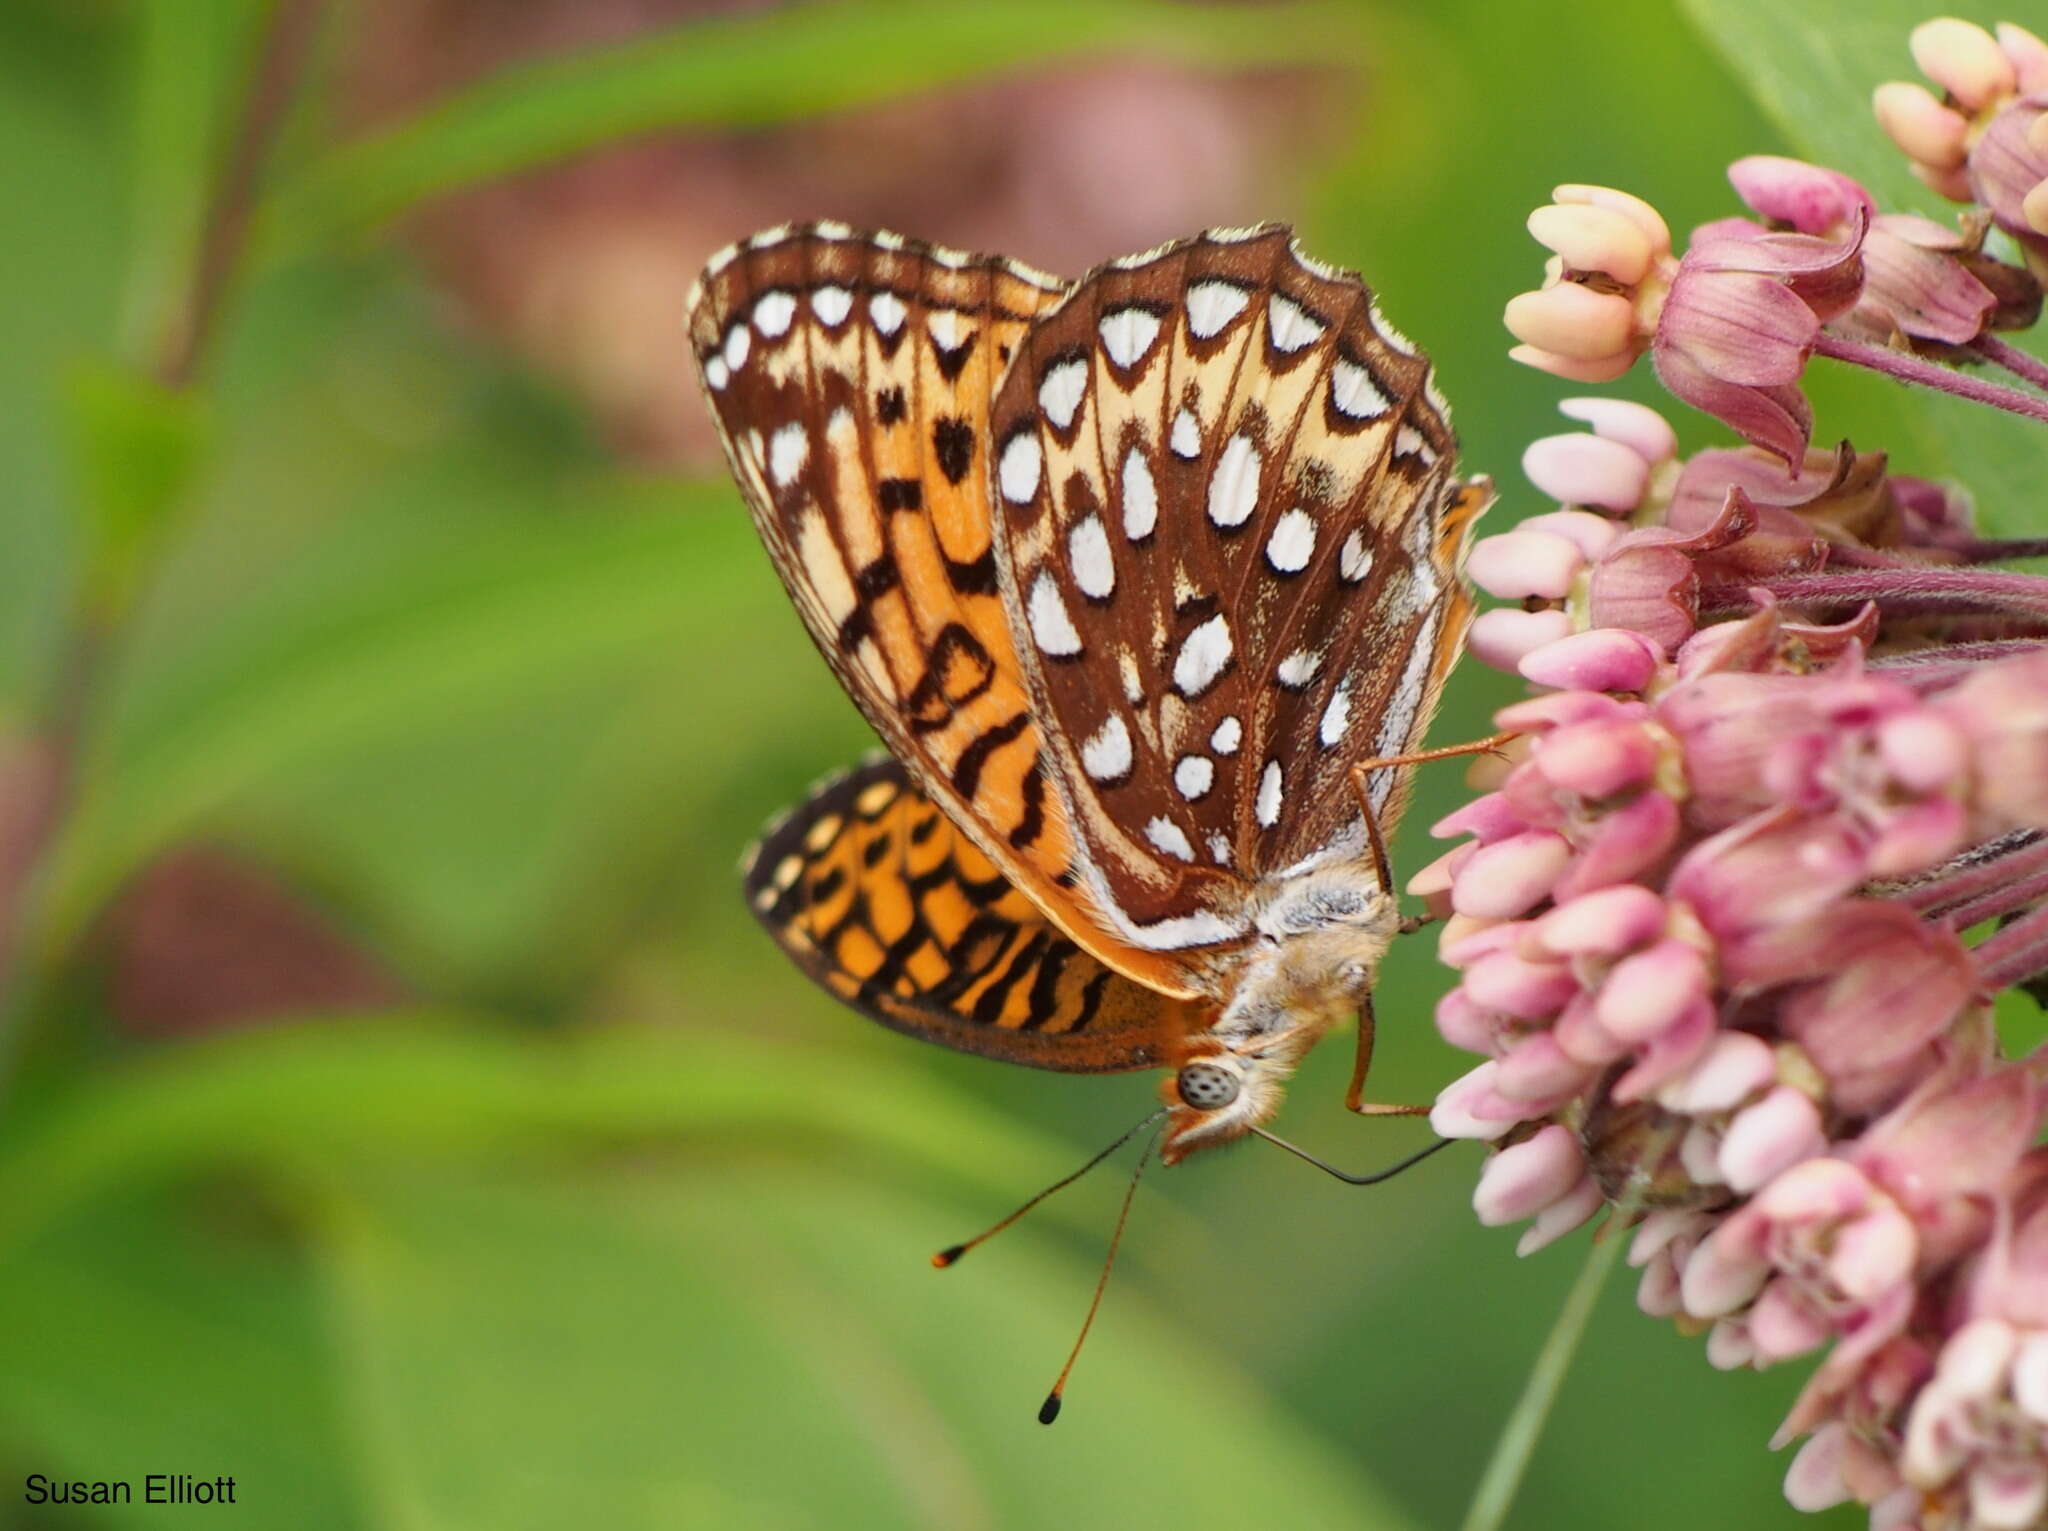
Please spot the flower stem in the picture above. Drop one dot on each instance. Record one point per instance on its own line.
(1951, 590)
(1911, 369)
(1976, 872)
(2021, 364)
(1517, 1443)
(2017, 952)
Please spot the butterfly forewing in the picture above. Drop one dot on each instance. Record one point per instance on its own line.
(876, 894)
(851, 376)
(1229, 535)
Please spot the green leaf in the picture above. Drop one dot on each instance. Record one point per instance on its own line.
(1812, 68)
(747, 71)
(764, 1349)
(134, 447)
(322, 1094)
(141, 1339)
(390, 630)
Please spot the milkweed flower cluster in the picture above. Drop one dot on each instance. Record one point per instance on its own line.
(1731, 915)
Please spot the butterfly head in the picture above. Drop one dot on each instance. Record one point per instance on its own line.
(1321, 937)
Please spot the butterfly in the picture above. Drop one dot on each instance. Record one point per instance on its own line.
(1129, 574)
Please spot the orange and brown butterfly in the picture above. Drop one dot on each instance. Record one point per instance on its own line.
(1129, 574)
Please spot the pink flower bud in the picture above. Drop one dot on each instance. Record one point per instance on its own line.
(1963, 59)
(1645, 585)
(1578, 469)
(2029, 56)
(1604, 659)
(1595, 239)
(1809, 198)
(1647, 993)
(1465, 1025)
(1502, 637)
(1926, 131)
(1575, 323)
(1490, 817)
(1814, 1480)
(1453, 1114)
(1509, 877)
(1621, 845)
(1515, 986)
(1733, 1069)
(1592, 535)
(1521, 1180)
(1537, 1073)
(1783, 1325)
(1725, 1272)
(1636, 426)
(1560, 1217)
(1519, 564)
(1770, 1137)
(1604, 923)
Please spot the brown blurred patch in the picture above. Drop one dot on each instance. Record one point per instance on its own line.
(206, 938)
(583, 268)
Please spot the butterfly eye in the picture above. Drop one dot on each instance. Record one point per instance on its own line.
(1206, 1086)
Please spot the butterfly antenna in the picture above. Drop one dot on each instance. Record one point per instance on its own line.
(1373, 1179)
(1050, 1409)
(952, 1253)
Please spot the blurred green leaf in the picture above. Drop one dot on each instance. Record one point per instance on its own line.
(745, 71)
(289, 1097)
(140, 1341)
(532, 1356)
(134, 447)
(1812, 67)
(327, 657)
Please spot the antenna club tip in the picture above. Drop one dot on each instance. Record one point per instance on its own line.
(1050, 1409)
(947, 1256)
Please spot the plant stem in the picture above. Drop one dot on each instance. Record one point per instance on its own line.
(2021, 364)
(1517, 1444)
(2017, 952)
(1932, 589)
(1976, 872)
(1912, 369)
(273, 82)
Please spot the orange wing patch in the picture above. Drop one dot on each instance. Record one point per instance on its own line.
(873, 891)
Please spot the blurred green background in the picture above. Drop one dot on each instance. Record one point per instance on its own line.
(402, 1114)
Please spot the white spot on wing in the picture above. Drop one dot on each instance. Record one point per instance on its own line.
(1170, 837)
(1288, 324)
(1023, 460)
(788, 450)
(1219, 849)
(1051, 627)
(888, 312)
(832, 305)
(1229, 733)
(1267, 808)
(773, 313)
(1409, 442)
(831, 229)
(1293, 542)
(1128, 333)
(1234, 486)
(884, 240)
(1141, 496)
(1133, 677)
(1193, 775)
(1106, 756)
(1203, 654)
(1212, 305)
(1336, 716)
(1299, 668)
(948, 328)
(737, 343)
(1061, 390)
(716, 373)
(1088, 553)
(1405, 704)
(1354, 558)
(1355, 394)
(1186, 439)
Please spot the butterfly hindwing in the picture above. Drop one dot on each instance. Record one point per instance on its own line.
(875, 893)
(1229, 536)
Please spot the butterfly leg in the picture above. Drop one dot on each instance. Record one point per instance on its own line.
(1490, 745)
(1354, 1098)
